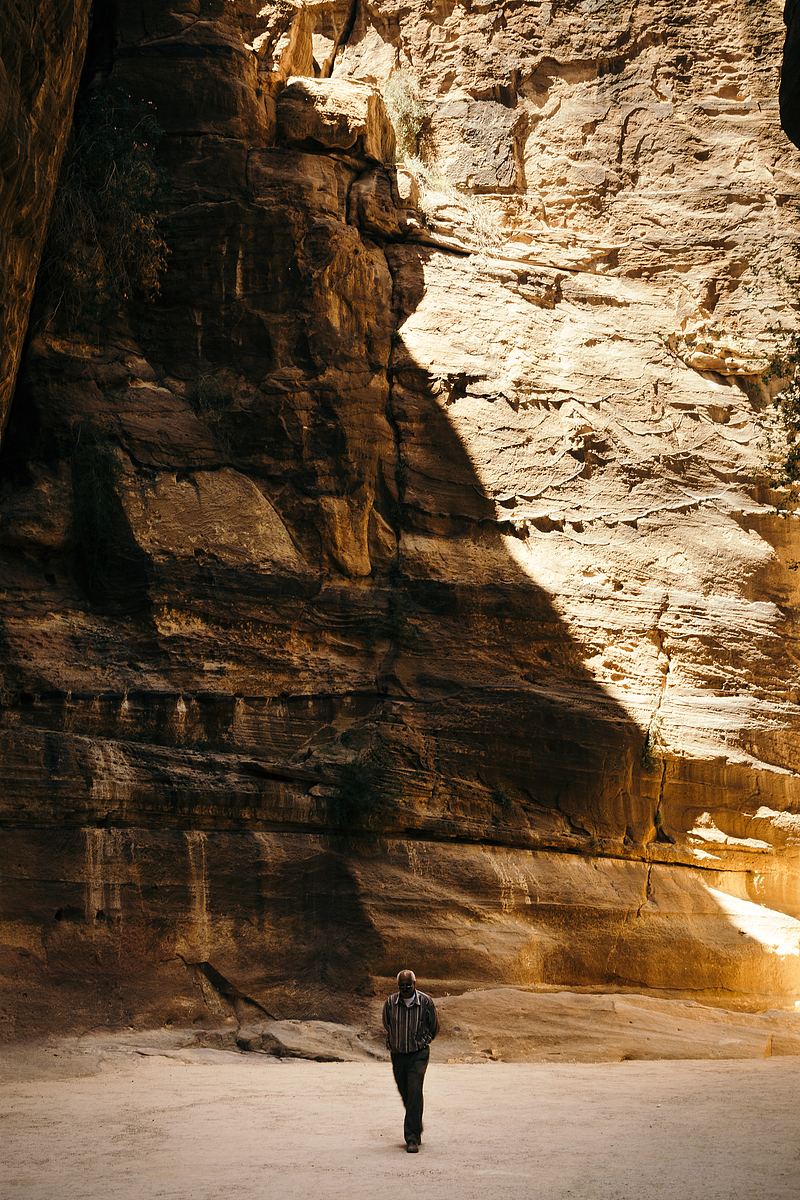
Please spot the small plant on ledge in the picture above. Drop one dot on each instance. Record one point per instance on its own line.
(407, 111)
(780, 421)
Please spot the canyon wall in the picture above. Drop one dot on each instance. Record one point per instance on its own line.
(409, 582)
(42, 44)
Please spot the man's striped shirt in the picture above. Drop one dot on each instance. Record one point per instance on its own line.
(409, 1027)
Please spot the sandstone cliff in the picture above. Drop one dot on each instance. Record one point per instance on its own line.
(406, 583)
(42, 44)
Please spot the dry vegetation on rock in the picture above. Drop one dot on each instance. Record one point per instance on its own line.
(104, 247)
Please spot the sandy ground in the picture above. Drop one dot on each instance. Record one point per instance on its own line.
(204, 1124)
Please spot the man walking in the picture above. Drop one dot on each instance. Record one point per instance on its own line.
(411, 1024)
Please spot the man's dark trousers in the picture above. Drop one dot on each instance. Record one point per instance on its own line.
(409, 1074)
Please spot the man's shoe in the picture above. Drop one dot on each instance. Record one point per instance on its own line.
(412, 1147)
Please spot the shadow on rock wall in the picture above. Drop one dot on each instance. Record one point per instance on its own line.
(278, 699)
(790, 74)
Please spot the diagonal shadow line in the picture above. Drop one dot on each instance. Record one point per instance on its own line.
(494, 657)
(474, 664)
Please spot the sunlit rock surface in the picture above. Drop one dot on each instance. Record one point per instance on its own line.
(405, 585)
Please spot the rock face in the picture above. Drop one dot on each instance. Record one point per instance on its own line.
(404, 586)
(41, 52)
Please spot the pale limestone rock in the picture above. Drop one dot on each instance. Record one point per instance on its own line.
(335, 115)
(508, 1024)
(407, 188)
(481, 143)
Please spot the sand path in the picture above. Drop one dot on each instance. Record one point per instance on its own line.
(211, 1124)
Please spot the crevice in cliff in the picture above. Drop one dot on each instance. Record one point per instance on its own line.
(660, 834)
(343, 39)
(101, 42)
(457, 249)
(653, 750)
(207, 976)
(648, 891)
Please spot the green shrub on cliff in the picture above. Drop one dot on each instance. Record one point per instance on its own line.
(407, 111)
(104, 246)
(783, 432)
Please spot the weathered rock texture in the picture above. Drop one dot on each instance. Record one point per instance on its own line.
(41, 52)
(403, 585)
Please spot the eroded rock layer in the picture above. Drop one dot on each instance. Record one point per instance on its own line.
(405, 583)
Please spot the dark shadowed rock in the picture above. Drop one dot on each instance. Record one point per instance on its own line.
(42, 43)
(405, 582)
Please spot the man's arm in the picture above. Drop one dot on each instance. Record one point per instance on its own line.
(433, 1020)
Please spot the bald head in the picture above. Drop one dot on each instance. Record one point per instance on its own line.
(406, 982)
